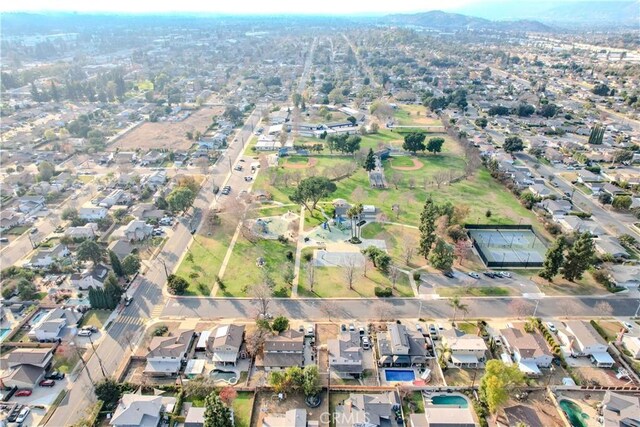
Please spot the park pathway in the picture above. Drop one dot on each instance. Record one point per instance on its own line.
(299, 245)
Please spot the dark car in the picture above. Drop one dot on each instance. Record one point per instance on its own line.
(55, 375)
(13, 415)
(449, 274)
(489, 274)
(47, 383)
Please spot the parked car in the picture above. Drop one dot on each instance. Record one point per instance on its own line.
(84, 333)
(490, 274)
(418, 328)
(248, 178)
(352, 328)
(23, 393)
(238, 168)
(628, 325)
(55, 375)
(310, 331)
(473, 274)
(22, 416)
(366, 344)
(47, 383)
(34, 230)
(13, 415)
(301, 328)
(343, 327)
(4, 240)
(552, 327)
(449, 274)
(497, 340)
(504, 273)
(127, 300)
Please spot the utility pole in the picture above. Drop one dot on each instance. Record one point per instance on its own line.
(104, 374)
(84, 364)
(164, 264)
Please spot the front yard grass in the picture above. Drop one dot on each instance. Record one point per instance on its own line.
(95, 318)
(242, 271)
(484, 291)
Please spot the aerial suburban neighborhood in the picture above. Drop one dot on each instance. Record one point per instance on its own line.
(302, 217)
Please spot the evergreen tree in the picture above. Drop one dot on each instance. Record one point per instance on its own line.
(215, 413)
(116, 264)
(427, 227)
(441, 257)
(579, 257)
(370, 161)
(553, 260)
(596, 135)
(55, 95)
(112, 290)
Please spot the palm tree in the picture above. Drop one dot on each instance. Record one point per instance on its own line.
(455, 303)
(444, 353)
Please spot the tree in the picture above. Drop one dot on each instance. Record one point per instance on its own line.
(46, 171)
(177, 285)
(441, 257)
(311, 274)
(513, 144)
(311, 190)
(498, 383)
(461, 248)
(349, 271)
(311, 381)
(427, 227)
(161, 203)
(579, 257)
(295, 377)
(435, 145)
(216, 414)
(481, 122)
(553, 260)
(228, 394)
(414, 142)
(69, 214)
(112, 290)
(621, 203)
(548, 110)
(180, 199)
(605, 198)
(131, 264)
(381, 260)
(279, 381)
(90, 250)
(280, 324)
(261, 295)
(199, 387)
(601, 89)
(621, 156)
(455, 303)
(597, 134)
(370, 161)
(27, 290)
(116, 265)
(109, 392)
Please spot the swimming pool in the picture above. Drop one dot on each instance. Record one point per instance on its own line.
(399, 375)
(4, 332)
(574, 413)
(450, 399)
(224, 376)
(39, 315)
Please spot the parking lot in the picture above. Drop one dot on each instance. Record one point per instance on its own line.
(517, 284)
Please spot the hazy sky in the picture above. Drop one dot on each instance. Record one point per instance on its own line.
(328, 7)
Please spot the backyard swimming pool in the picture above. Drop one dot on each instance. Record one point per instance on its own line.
(224, 376)
(399, 375)
(577, 418)
(450, 399)
(39, 315)
(3, 333)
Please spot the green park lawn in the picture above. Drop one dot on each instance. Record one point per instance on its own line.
(202, 266)
(403, 161)
(330, 283)
(397, 237)
(297, 160)
(415, 115)
(484, 291)
(242, 271)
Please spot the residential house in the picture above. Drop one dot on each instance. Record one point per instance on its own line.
(153, 157)
(620, 410)
(341, 206)
(93, 278)
(30, 205)
(121, 248)
(38, 357)
(226, 344)
(283, 350)
(553, 155)
(399, 346)
(50, 327)
(92, 213)
(25, 367)
(557, 208)
(267, 143)
(145, 211)
(614, 191)
(141, 411)
(167, 354)
(87, 231)
(443, 416)
(571, 223)
(156, 179)
(114, 198)
(585, 176)
(10, 219)
(540, 190)
(23, 376)
(345, 355)
(624, 275)
(581, 339)
(137, 231)
(467, 350)
(46, 257)
(528, 349)
(608, 245)
(370, 410)
(292, 418)
(632, 344)
(194, 417)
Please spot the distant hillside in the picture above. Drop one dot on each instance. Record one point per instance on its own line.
(569, 13)
(445, 21)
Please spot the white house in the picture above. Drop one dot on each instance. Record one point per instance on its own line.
(50, 327)
(528, 349)
(581, 339)
(632, 343)
(141, 411)
(92, 213)
(87, 231)
(112, 198)
(90, 278)
(46, 257)
(137, 230)
(225, 343)
(467, 350)
(166, 354)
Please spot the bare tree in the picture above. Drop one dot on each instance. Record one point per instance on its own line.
(272, 176)
(462, 250)
(349, 271)
(358, 195)
(408, 247)
(440, 178)
(264, 161)
(383, 311)
(311, 274)
(261, 295)
(296, 176)
(394, 276)
(396, 180)
(286, 177)
(411, 182)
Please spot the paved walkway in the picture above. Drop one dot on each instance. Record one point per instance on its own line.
(299, 246)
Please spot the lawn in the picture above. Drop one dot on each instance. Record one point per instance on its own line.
(458, 377)
(402, 161)
(330, 283)
(413, 403)
(243, 271)
(17, 231)
(467, 327)
(301, 160)
(242, 408)
(95, 318)
(66, 358)
(85, 179)
(484, 291)
(415, 115)
(201, 264)
(397, 239)
(383, 136)
(585, 286)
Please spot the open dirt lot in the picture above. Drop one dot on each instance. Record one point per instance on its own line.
(166, 134)
(533, 412)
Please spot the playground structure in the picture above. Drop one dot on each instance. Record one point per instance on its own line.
(274, 226)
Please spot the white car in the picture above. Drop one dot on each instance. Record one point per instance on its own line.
(24, 413)
(504, 273)
(628, 325)
(84, 333)
(552, 327)
(473, 274)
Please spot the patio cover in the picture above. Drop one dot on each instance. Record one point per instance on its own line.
(464, 359)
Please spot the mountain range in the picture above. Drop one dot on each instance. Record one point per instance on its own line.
(445, 21)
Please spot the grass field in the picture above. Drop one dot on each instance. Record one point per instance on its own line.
(484, 291)
(415, 115)
(403, 161)
(242, 408)
(330, 283)
(242, 271)
(202, 266)
(397, 238)
(95, 318)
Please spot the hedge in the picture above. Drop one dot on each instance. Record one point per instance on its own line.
(383, 292)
